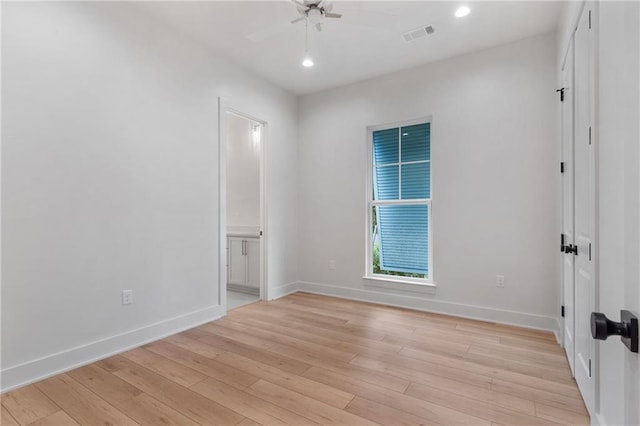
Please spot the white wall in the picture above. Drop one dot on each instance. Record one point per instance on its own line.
(110, 181)
(243, 173)
(495, 182)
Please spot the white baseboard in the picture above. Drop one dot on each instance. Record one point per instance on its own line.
(559, 332)
(39, 369)
(278, 292)
(520, 319)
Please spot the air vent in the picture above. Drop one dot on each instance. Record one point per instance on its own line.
(418, 33)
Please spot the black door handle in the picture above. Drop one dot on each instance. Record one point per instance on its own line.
(602, 327)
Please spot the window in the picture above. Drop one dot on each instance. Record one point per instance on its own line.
(399, 206)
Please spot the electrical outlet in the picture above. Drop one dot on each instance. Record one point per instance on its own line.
(332, 264)
(127, 297)
(500, 281)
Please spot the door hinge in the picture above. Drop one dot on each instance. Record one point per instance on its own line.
(562, 166)
(589, 135)
(589, 251)
(589, 19)
(589, 368)
(562, 311)
(561, 90)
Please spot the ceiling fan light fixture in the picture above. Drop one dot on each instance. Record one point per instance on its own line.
(462, 11)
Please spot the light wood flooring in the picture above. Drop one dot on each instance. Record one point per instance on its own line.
(308, 359)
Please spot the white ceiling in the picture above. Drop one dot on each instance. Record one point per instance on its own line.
(365, 43)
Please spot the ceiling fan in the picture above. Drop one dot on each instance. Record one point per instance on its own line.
(315, 11)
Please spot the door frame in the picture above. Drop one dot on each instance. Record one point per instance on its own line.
(224, 108)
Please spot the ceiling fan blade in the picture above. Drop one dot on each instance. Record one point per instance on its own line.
(298, 19)
(332, 15)
(319, 27)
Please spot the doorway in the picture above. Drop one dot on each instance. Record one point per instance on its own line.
(242, 200)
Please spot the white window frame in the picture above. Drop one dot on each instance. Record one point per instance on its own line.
(410, 283)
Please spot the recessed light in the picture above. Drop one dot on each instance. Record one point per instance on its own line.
(307, 62)
(462, 11)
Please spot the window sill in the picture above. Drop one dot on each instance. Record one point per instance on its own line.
(403, 285)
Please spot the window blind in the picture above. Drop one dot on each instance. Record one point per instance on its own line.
(402, 171)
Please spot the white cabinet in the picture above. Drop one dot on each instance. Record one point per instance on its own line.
(243, 264)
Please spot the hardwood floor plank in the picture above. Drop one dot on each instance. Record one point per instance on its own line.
(488, 411)
(429, 329)
(113, 363)
(559, 415)
(446, 383)
(538, 383)
(560, 376)
(307, 356)
(184, 400)
(210, 367)
(334, 336)
(59, 418)
(148, 411)
(507, 352)
(288, 308)
(316, 318)
(80, 403)
(107, 386)
(344, 344)
(432, 413)
(317, 411)
(428, 344)
(252, 407)
(318, 391)
(195, 333)
(422, 376)
(486, 360)
(384, 414)
(531, 380)
(506, 331)
(194, 345)
(171, 370)
(249, 422)
(461, 362)
(351, 330)
(235, 335)
(6, 419)
(28, 404)
(537, 395)
(294, 342)
(284, 363)
(532, 344)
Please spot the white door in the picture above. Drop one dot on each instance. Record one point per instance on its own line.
(618, 144)
(567, 204)
(237, 263)
(584, 206)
